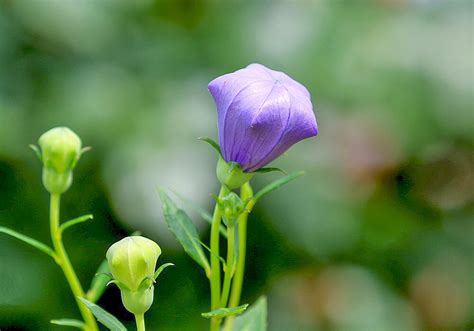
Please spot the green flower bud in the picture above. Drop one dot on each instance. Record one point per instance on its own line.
(232, 207)
(60, 151)
(231, 174)
(132, 262)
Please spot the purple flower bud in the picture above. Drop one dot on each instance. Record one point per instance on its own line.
(261, 113)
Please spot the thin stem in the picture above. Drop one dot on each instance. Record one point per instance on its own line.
(246, 193)
(215, 279)
(230, 268)
(140, 320)
(65, 264)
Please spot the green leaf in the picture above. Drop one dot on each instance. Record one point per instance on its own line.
(254, 319)
(266, 170)
(183, 228)
(30, 241)
(104, 317)
(203, 213)
(223, 312)
(160, 269)
(212, 253)
(277, 184)
(213, 144)
(69, 322)
(99, 282)
(75, 221)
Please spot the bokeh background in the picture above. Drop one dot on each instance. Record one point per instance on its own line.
(378, 236)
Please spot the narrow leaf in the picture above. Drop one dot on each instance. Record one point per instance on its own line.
(69, 322)
(75, 221)
(213, 144)
(99, 282)
(277, 184)
(104, 317)
(254, 319)
(203, 213)
(30, 241)
(223, 312)
(212, 253)
(161, 268)
(183, 228)
(266, 170)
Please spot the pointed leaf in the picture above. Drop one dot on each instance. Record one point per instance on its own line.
(99, 282)
(203, 213)
(254, 319)
(213, 144)
(30, 241)
(212, 253)
(183, 228)
(277, 184)
(161, 268)
(75, 221)
(69, 322)
(223, 312)
(266, 170)
(104, 317)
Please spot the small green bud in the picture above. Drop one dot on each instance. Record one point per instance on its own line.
(232, 207)
(60, 151)
(231, 174)
(132, 262)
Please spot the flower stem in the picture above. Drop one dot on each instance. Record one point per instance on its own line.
(246, 193)
(230, 268)
(63, 261)
(215, 279)
(140, 320)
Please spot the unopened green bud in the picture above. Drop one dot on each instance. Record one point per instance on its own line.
(232, 207)
(60, 151)
(132, 262)
(231, 174)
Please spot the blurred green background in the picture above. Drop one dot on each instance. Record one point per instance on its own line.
(378, 236)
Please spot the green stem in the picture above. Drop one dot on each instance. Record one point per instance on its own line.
(246, 193)
(215, 279)
(63, 261)
(229, 265)
(140, 320)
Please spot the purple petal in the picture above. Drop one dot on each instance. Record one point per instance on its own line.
(261, 113)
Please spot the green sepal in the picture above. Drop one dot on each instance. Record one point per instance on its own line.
(267, 170)
(146, 284)
(223, 312)
(37, 152)
(231, 174)
(160, 269)
(184, 230)
(69, 322)
(277, 184)
(213, 144)
(99, 282)
(104, 317)
(113, 281)
(75, 221)
(30, 241)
